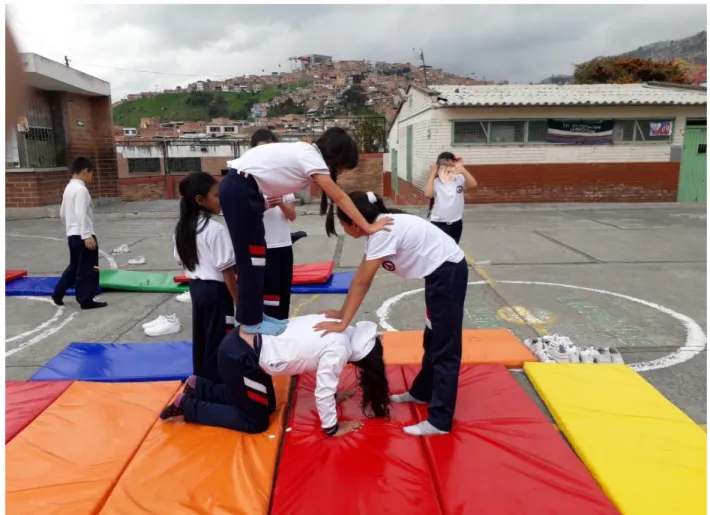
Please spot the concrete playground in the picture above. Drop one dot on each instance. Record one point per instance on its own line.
(626, 275)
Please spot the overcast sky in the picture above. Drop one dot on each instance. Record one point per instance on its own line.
(520, 43)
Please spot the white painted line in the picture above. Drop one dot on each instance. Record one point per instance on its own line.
(43, 325)
(40, 337)
(111, 262)
(695, 340)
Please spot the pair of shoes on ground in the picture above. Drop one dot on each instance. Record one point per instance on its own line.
(163, 325)
(94, 304)
(560, 349)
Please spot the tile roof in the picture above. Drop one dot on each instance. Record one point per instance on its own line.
(553, 95)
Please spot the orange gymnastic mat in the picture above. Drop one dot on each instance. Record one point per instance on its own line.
(185, 468)
(479, 346)
(68, 459)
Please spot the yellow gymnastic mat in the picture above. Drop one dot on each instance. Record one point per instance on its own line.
(647, 455)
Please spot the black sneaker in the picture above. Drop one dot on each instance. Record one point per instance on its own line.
(295, 236)
(94, 305)
(58, 301)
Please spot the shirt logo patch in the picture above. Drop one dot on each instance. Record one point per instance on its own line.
(388, 265)
(459, 189)
(277, 366)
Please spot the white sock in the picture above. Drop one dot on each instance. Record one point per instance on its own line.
(405, 397)
(423, 429)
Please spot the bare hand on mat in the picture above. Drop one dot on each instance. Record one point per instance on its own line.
(332, 313)
(345, 394)
(90, 243)
(348, 427)
(330, 327)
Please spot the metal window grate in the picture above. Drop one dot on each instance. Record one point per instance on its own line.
(470, 132)
(143, 165)
(184, 164)
(36, 142)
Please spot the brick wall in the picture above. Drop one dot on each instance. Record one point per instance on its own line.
(94, 140)
(144, 188)
(564, 182)
(367, 176)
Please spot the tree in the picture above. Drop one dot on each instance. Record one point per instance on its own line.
(370, 134)
(629, 70)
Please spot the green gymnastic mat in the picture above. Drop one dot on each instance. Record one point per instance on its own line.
(127, 280)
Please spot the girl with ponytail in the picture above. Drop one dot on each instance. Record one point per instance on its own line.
(414, 249)
(203, 248)
(275, 170)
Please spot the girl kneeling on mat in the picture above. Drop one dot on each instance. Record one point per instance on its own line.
(275, 170)
(415, 249)
(247, 363)
(203, 248)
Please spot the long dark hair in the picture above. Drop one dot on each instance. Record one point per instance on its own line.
(339, 150)
(263, 135)
(373, 382)
(443, 157)
(186, 230)
(369, 211)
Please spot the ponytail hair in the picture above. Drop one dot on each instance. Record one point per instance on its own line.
(339, 151)
(373, 383)
(370, 206)
(193, 185)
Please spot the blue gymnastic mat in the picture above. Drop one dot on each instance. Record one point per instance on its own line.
(339, 282)
(34, 287)
(119, 362)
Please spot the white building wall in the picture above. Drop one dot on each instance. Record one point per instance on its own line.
(554, 153)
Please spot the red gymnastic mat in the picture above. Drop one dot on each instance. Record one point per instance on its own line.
(503, 456)
(26, 400)
(13, 275)
(308, 273)
(378, 470)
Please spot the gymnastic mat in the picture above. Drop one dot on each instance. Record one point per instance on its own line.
(339, 282)
(13, 275)
(66, 461)
(503, 456)
(648, 456)
(308, 273)
(119, 362)
(479, 346)
(34, 286)
(26, 400)
(378, 470)
(129, 280)
(187, 468)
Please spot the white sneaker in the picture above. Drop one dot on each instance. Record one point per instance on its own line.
(139, 260)
(163, 328)
(539, 348)
(573, 353)
(162, 319)
(558, 352)
(121, 250)
(616, 356)
(602, 355)
(184, 297)
(586, 355)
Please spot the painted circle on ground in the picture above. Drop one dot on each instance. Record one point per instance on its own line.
(45, 329)
(695, 338)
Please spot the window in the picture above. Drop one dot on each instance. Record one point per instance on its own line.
(184, 164)
(229, 129)
(499, 132)
(215, 129)
(38, 139)
(144, 165)
(643, 131)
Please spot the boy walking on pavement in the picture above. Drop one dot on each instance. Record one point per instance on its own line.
(77, 213)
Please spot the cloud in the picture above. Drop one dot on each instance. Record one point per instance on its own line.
(520, 43)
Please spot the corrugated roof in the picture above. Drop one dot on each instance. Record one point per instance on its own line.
(552, 95)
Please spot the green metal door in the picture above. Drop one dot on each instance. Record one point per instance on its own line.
(410, 153)
(693, 166)
(395, 174)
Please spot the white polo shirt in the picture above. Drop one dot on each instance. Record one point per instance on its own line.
(413, 248)
(277, 228)
(214, 252)
(448, 200)
(281, 168)
(77, 210)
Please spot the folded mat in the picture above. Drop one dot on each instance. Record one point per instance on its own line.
(25, 400)
(34, 286)
(13, 275)
(119, 362)
(68, 459)
(378, 470)
(479, 346)
(339, 282)
(503, 455)
(648, 456)
(128, 280)
(309, 273)
(187, 468)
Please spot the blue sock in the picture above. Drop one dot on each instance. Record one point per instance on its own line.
(265, 328)
(275, 320)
